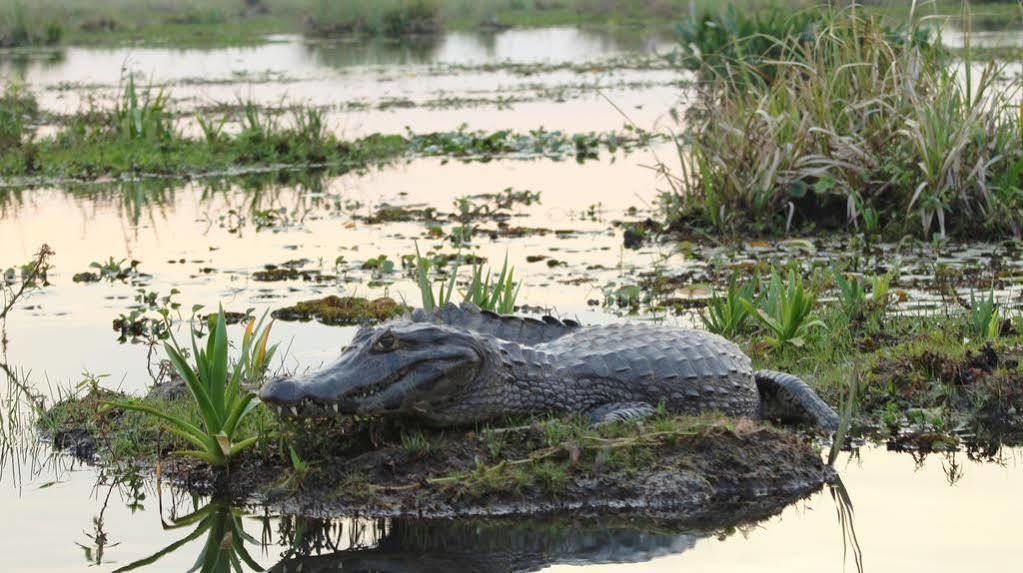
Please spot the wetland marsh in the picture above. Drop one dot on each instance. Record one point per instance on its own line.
(315, 177)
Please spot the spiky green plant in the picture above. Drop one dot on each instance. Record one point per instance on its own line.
(212, 130)
(495, 294)
(985, 317)
(222, 398)
(852, 294)
(785, 312)
(443, 296)
(880, 290)
(142, 114)
(729, 315)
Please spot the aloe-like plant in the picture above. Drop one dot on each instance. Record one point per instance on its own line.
(443, 296)
(784, 312)
(985, 317)
(729, 315)
(222, 399)
(852, 294)
(880, 287)
(495, 294)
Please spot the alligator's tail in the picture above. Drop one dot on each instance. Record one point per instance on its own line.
(787, 398)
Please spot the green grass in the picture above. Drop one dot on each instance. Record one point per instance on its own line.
(18, 107)
(140, 134)
(177, 22)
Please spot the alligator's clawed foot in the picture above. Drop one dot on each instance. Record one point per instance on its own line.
(619, 412)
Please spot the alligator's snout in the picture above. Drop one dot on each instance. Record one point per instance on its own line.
(281, 390)
(298, 397)
(385, 371)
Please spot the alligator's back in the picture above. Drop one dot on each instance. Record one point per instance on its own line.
(687, 370)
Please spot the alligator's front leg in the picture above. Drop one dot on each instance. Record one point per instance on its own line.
(619, 412)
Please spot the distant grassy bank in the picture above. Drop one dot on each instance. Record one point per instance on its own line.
(141, 135)
(231, 22)
(188, 22)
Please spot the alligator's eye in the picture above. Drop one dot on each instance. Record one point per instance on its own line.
(384, 343)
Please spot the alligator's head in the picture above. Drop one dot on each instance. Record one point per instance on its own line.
(396, 368)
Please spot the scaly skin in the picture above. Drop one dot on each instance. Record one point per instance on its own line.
(460, 365)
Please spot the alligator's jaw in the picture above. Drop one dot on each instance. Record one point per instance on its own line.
(339, 389)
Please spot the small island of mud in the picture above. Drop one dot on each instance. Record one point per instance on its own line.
(382, 467)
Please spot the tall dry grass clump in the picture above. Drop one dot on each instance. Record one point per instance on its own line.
(857, 126)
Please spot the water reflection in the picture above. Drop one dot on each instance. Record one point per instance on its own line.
(16, 64)
(24, 456)
(297, 56)
(418, 546)
(408, 545)
(131, 489)
(374, 52)
(847, 522)
(224, 549)
(557, 44)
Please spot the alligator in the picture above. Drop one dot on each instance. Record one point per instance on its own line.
(458, 365)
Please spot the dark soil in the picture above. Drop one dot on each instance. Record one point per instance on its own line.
(459, 474)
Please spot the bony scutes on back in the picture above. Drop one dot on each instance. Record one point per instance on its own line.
(459, 365)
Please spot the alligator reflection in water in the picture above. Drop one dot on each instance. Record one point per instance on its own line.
(497, 545)
(509, 545)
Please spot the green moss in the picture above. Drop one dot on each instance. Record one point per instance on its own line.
(336, 310)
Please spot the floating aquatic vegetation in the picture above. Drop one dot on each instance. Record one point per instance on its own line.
(15, 284)
(342, 310)
(112, 270)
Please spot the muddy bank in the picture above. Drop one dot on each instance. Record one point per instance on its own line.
(686, 466)
(393, 467)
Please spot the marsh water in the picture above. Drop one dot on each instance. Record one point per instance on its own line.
(203, 240)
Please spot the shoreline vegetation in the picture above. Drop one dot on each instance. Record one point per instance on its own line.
(141, 136)
(48, 23)
(832, 121)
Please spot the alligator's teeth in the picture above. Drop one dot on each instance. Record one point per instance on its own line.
(294, 411)
(337, 409)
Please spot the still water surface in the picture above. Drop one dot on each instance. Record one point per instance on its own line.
(205, 239)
